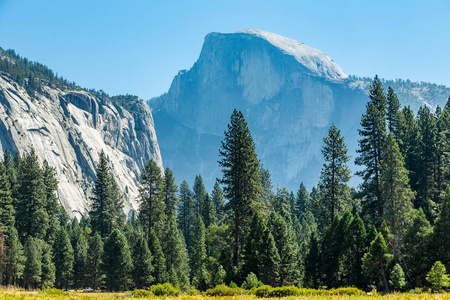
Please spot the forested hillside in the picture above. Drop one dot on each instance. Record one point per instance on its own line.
(388, 234)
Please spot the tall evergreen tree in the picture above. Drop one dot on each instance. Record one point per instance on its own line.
(116, 261)
(7, 211)
(303, 203)
(94, 259)
(441, 232)
(253, 246)
(47, 279)
(151, 199)
(219, 201)
(159, 271)
(186, 215)
(209, 211)
(395, 192)
(312, 264)
(200, 276)
(199, 196)
(241, 180)
(409, 146)
(64, 259)
(106, 208)
(52, 206)
(335, 173)
(375, 263)
(269, 260)
(170, 193)
(79, 247)
(373, 134)
(393, 113)
(142, 263)
(31, 215)
(33, 264)
(14, 258)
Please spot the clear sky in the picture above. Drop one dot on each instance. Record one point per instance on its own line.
(137, 47)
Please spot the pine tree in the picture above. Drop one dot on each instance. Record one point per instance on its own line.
(393, 113)
(219, 202)
(441, 232)
(417, 257)
(7, 211)
(437, 277)
(186, 216)
(395, 192)
(282, 204)
(209, 212)
(199, 196)
(159, 271)
(355, 248)
(11, 170)
(175, 255)
(47, 279)
(106, 204)
(269, 260)
(151, 199)
(312, 264)
(303, 203)
(335, 173)
(427, 160)
(241, 180)
(285, 242)
(142, 264)
(375, 263)
(409, 146)
(373, 134)
(253, 245)
(63, 258)
(14, 258)
(200, 276)
(397, 278)
(170, 193)
(116, 261)
(52, 206)
(266, 188)
(94, 259)
(31, 215)
(80, 255)
(33, 264)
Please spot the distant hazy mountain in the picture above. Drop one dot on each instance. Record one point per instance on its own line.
(289, 93)
(69, 126)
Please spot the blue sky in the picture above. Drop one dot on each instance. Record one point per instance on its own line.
(137, 47)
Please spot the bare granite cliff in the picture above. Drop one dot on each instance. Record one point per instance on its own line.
(69, 127)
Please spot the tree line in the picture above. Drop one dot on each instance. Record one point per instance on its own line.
(387, 234)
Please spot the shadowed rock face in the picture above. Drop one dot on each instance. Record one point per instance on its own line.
(69, 129)
(289, 93)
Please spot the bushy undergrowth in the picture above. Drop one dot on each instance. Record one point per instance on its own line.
(223, 290)
(54, 292)
(141, 293)
(165, 289)
(285, 291)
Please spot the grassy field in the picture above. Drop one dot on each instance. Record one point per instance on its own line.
(50, 295)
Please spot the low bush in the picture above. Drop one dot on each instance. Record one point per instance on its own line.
(284, 291)
(351, 291)
(263, 291)
(141, 294)
(223, 290)
(192, 291)
(165, 289)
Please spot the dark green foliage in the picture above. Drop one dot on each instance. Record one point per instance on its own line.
(33, 264)
(52, 206)
(7, 211)
(354, 249)
(209, 211)
(219, 202)
(397, 278)
(373, 134)
(375, 263)
(142, 263)
(186, 215)
(335, 174)
(437, 278)
(94, 259)
(151, 199)
(200, 275)
(64, 259)
(282, 205)
(106, 209)
(303, 203)
(253, 246)
(199, 196)
(287, 247)
(14, 258)
(393, 113)
(269, 259)
(396, 194)
(79, 247)
(31, 215)
(170, 193)
(159, 261)
(312, 264)
(47, 266)
(241, 180)
(441, 232)
(224, 291)
(116, 261)
(266, 188)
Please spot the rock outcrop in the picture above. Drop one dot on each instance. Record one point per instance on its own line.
(69, 128)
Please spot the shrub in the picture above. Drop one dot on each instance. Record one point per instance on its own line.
(262, 291)
(350, 291)
(223, 290)
(141, 294)
(251, 281)
(165, 289)
(397, 278)
(437, 277)
(233, 285)
(284, 291)
(192, 291)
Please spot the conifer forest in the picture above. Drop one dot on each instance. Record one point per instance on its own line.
(390, 234)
